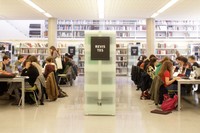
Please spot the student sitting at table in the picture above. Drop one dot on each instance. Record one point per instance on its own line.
(30, 71)
(49, 66)
(183, 65)
(192, 61)
(35, 62)
(159, 65)
(166, 73)
(3, 70)
(18, 63)
(151, 67)
(4, 65)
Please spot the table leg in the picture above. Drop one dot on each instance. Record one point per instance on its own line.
(23, 94)
(179, 96)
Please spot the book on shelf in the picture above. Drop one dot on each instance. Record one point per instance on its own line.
(33, 45)
(122, 64)
(163, 52)
(161, 34)
(161, 28)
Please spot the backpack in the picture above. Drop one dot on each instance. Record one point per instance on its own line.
(169, 104)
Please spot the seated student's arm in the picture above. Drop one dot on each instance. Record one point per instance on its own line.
(5, 72)
(169, 82)
(196, 64)
(24, 72)
(167, 78)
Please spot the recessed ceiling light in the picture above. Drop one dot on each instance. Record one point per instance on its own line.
(101, 8)
(168, 5)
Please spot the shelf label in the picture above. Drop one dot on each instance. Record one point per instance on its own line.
(134, 51)
(100, 48)
(71, 50)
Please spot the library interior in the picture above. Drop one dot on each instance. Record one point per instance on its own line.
(109, 66)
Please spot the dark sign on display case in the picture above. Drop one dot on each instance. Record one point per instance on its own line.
(134, 51)
(100, 48)
(71, 50)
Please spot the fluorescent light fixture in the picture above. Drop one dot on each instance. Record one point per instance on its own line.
(154, 15)
(33, 5)
(47, 15)
(101, 8)
(30, 3)
(168, 5)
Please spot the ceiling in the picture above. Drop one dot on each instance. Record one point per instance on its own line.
(87, 9)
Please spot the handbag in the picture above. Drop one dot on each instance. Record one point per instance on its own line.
(169, 104)
(58, 61)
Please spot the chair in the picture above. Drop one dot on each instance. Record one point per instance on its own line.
(33, 90)
(67, 75)
(40, 83)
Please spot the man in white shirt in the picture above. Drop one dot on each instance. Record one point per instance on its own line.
(4, 85)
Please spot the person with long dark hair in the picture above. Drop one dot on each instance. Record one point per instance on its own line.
(141, 58)
(54, 52)
(166, 74)
(151, 67)
(159, 65)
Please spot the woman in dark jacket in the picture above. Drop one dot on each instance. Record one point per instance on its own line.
(30, 71)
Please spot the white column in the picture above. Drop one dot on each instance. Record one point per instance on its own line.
(150, 36)
(52, 32)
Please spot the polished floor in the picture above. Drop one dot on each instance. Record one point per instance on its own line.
(66, 115)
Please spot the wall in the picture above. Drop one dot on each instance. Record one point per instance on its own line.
(17, 29)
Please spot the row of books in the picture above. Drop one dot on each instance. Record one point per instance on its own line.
(164, 45)
(31, 51)
(176, 28)
(121, 71)
(122, 64)
(5, 46)
(125, 34)
(33, 45)
(169, 22)
(63, 22)
(163, 52)
(131, 22)
(122, 58)
(81, 64)
(124, 51)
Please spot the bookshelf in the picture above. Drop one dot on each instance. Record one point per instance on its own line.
(169, 29)
(121, 59)
(6, 49)
(124, 59)
(81, 59)
(169, 49)
(133, 59)
(64, 46)
(195, 50)
(129, 29)
(37, 48)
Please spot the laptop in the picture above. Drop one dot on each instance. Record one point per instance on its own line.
(187, 74)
